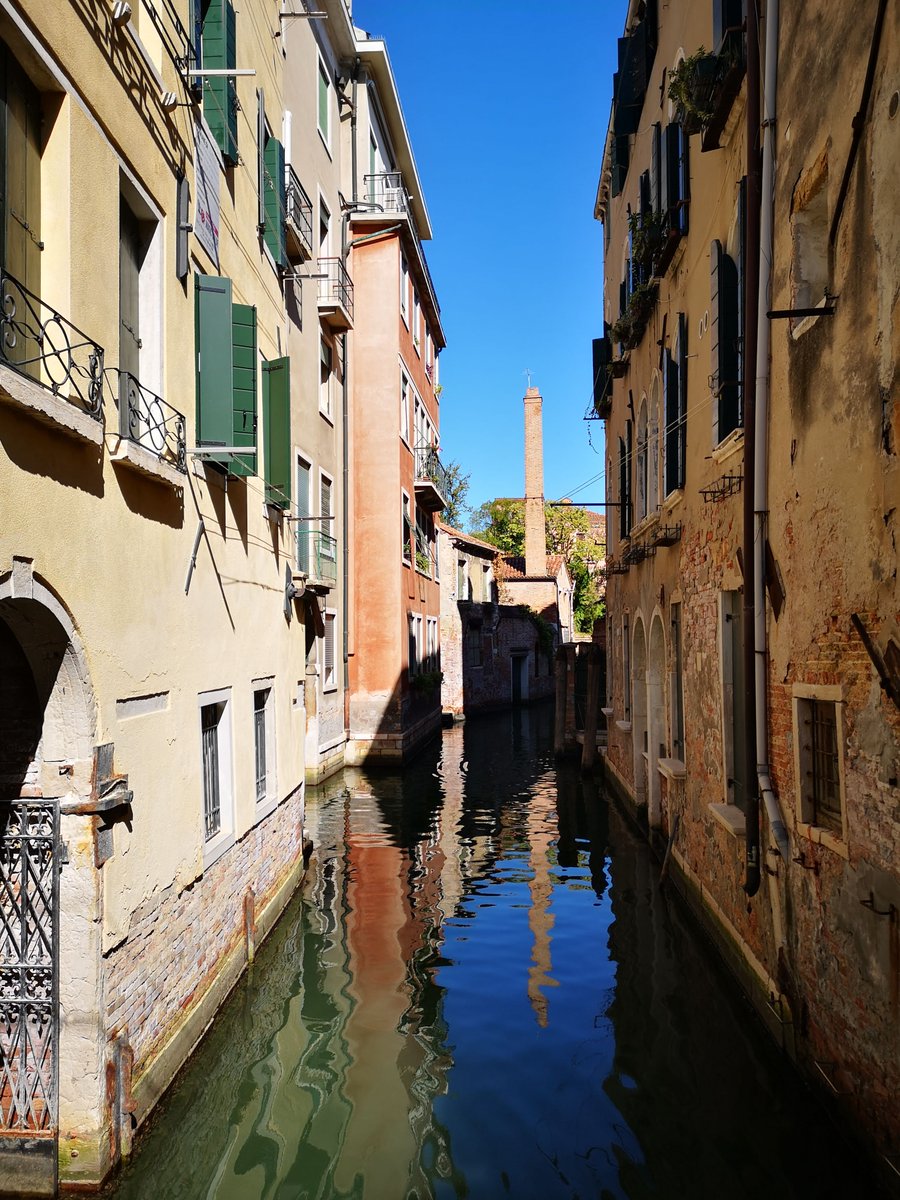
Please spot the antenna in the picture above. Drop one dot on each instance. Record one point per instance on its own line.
(528, 373)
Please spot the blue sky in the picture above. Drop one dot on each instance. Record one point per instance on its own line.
(507, 103)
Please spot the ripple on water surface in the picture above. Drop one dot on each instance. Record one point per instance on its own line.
(482, 993)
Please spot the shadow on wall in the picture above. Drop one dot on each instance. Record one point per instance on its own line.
(507, 657)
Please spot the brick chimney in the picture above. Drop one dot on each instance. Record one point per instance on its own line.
(535, 528)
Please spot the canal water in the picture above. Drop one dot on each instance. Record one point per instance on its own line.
(481, 992)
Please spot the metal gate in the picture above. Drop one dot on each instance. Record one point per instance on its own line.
(29, 914)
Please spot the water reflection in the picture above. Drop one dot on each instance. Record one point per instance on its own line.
(483, 994)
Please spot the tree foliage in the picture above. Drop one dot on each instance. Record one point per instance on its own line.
(502, 523)
(455, 493)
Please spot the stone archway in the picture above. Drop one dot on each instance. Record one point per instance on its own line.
(656, 718)
(49, 951)
(639, 711)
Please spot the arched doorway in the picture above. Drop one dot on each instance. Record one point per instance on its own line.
(46, 735)
(656, 719)
(639, 711)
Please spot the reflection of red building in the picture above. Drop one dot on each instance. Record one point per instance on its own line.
(396, 480)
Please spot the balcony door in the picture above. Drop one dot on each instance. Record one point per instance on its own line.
(304, 512)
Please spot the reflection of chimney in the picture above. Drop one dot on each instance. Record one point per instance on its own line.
(535, 530)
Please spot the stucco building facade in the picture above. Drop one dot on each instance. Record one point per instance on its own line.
(747, 378)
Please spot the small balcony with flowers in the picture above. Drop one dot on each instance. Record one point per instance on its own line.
(431, 483)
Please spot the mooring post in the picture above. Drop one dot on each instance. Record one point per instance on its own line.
(562, 693)
(589, 749)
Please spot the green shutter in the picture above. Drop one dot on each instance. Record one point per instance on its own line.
(276, 398)
(212, 317)
(220, 104)
(243, 333)
(276, 199)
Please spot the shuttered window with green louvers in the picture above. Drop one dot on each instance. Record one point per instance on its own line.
(275, 200)
(226, 375)
(220, 102)
(243, 332)
(276, 398)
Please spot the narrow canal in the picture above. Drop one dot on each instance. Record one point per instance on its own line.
(482, 992)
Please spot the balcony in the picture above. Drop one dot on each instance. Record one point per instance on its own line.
(151, 432)
(298, 220)
(335, 294)
(431, 479)
(47, 365)
(387, 191)
(317, 558)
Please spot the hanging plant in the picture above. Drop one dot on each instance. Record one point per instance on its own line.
(629, 329)
(648, 236)
(692, 87)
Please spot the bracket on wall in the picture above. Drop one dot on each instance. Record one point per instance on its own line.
(110, 802)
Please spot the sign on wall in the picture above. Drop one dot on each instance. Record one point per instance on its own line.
(208, 162)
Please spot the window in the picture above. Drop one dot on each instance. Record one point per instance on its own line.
(416, 322)
(642, 462)
(734, 699)
(424, 533)
(677, 686)
(819, 737)
(325, 376)
(324, 105)
(653, 448)
(324, 229)
(404, 407)
(140, 324)
(226, 374)
(675, 408)
(809, 236)
(415, 644)
(474, 646)
(674, 178)
(625, 453)
(276, 405)
(20, 182)
(726, 326)
(626, 668)
(486, 582)
(326, 518)
(220, 102)
(304, 512)
(432, 649)
(407, 530)
(215, 755)
(462, 579)
(329, 675)
(264, 739)
(404, 290)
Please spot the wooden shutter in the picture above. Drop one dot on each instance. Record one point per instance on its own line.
(644, 190)
(183, 223)
(220, 106)
(723, 328)
(682, 142)
(213, 332)
(194, 52)
(602, 380)
(276, 398)
(655, 180)
(741, 304)
(243, 326)
(275, 200)
(623, 490)
(673, 445)
(682, 366)
(129, 278)
(20, 183)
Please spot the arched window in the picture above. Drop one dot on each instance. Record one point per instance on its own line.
(642, 476)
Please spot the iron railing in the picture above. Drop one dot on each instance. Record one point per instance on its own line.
(423, 552)
(298, 214)
(147, 420)
(429, 466)
(43, 345)
(387, 190)
(317, 554)
(336, 286)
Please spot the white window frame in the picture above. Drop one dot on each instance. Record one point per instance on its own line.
(326, 403)
(416, 323)
(266, 802)
(323, 76)
(405, 388)
(404, 290)
(223, 838)
(326, 526)
(329, 677)
(406, 515)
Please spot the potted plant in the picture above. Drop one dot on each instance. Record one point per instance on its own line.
(423, 563)
(629, 329)
(648, 236)
(692, 88)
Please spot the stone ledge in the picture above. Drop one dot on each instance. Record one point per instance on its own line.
(139, 458)
(729, 445)
(625, 726)
(42, 404)
(672, 768)
(730, 817)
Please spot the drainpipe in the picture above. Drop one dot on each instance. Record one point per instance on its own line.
(354, 169)
(761, 465)
(751, 325)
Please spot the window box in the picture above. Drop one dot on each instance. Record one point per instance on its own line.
(632, 323)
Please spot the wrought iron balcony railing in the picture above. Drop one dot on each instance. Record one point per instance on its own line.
(43, 345)
(317, 554)
(429, 466)
(386, 189)
(146, 419)
(336, 287)
(298, 217)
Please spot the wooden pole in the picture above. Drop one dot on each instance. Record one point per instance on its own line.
(562, 693)
(589, 749)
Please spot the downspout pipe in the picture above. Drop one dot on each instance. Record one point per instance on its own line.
(354, 164)
(753, 296)
(761, 464)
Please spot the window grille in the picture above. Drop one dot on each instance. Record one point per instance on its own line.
(821, 769)
(260, 702)
(212, 804)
